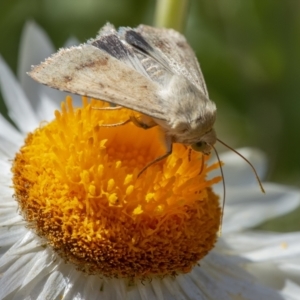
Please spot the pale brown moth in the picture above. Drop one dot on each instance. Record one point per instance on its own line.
(150, 70)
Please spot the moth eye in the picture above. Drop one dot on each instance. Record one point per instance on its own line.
(199, 146)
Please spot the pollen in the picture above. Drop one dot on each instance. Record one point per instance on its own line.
(77, 185)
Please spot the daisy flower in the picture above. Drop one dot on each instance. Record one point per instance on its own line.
(83, 225)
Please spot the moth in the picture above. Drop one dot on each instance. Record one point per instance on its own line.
(150, 70)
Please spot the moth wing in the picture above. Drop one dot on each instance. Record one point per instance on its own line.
(89, 71)
(130, 47)
(169, 45)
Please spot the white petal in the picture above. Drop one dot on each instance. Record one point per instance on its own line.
(35, 46)
(156, 285)
(42, 260)
(46, 108)
(116, 289)
(73, 286)
(10, 235)
(146, 290)
(248, 207)
(7, 201)
(33, 283)
(291, 291)
(17, 103)
(10, 138)
(216, 278)
(190, 288)
(53, 286)
(224, 280)
(10, 256)
(119, 286)
(7, 220)
(72, 41)
(5, 177)
(237, 172)
(263, 246)
(10, 280)
(56, 97)
(173, 288)
(92, 286)
(291, 267)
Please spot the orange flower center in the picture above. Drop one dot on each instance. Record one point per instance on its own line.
(77, 186)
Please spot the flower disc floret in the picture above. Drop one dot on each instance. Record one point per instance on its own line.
(76, 182)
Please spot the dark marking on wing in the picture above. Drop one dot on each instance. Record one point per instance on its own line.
(182, 45)
(90, 64)
(85, 65)
(164, 47)
(135, 39)
(67, 78)
(112, 45)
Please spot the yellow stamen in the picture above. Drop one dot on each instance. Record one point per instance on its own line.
(76, 184)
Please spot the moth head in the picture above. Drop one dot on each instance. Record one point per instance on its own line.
(206, 142)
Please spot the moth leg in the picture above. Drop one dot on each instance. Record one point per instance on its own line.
(190, 154)
(169, 145)
(108, 108)
(202, 164)
(115, 124)
(144, 122)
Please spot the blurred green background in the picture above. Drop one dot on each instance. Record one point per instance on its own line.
(249, 53)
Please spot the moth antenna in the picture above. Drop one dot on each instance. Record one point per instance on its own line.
(224, 189)
(249, 163)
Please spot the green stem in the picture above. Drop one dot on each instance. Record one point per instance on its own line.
(171, 14)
